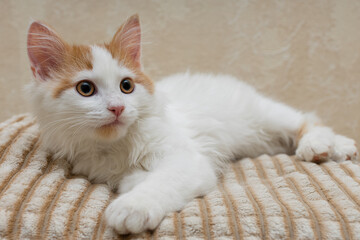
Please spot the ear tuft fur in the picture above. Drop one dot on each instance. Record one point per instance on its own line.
(127, 41)
(45, 50)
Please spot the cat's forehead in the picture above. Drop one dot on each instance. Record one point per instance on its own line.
(92, 63)
(107, 67)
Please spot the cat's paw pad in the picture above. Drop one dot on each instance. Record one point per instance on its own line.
(315, 148)
(345, 149)
(133, 214)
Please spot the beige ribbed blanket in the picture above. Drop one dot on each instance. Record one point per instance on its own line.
(268, 197)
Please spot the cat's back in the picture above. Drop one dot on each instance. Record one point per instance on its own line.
(216, 110)
(206, 91)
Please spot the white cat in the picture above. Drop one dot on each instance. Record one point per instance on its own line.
(160, 145)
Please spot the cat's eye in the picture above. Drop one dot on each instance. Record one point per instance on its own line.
(127, 85)
(85, 88)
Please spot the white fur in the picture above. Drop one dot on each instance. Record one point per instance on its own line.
(173, 143)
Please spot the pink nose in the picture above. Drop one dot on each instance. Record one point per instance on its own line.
(116, 110)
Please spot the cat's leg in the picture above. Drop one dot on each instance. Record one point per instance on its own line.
(311, 140)
(173, 183)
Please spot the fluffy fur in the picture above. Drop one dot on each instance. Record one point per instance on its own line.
(173, 138)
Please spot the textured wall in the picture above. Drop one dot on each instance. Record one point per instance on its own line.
(304, 53)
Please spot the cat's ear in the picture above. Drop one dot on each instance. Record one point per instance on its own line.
(45, 50)
(127, 40)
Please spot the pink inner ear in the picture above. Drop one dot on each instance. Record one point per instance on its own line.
(45, 50)
(128, 39)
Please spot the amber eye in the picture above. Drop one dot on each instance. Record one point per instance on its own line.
(127, 85)
(85, 88)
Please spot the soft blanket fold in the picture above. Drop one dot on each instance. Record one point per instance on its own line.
(269, 197)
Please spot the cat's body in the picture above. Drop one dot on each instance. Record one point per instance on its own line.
(217, 116)
(159, 144)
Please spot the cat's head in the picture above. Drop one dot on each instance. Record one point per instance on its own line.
(96, 91)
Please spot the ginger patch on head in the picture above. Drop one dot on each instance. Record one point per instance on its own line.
(144, 80)
(124, 60)
(80, 57)
(61, 87)
(77, 58)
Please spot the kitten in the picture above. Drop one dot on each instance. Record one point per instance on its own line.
(160, 145)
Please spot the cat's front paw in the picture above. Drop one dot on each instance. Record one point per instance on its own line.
(133, 213)
(345, 149)
(316, 146)
(321, 144)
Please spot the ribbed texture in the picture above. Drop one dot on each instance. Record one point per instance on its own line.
(264, 198)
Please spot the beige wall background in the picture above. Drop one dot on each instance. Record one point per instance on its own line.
(304, 53)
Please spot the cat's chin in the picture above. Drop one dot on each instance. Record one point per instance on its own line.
(111, 132)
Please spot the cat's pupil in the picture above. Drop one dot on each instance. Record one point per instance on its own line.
(126, 84)
(85, 87)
